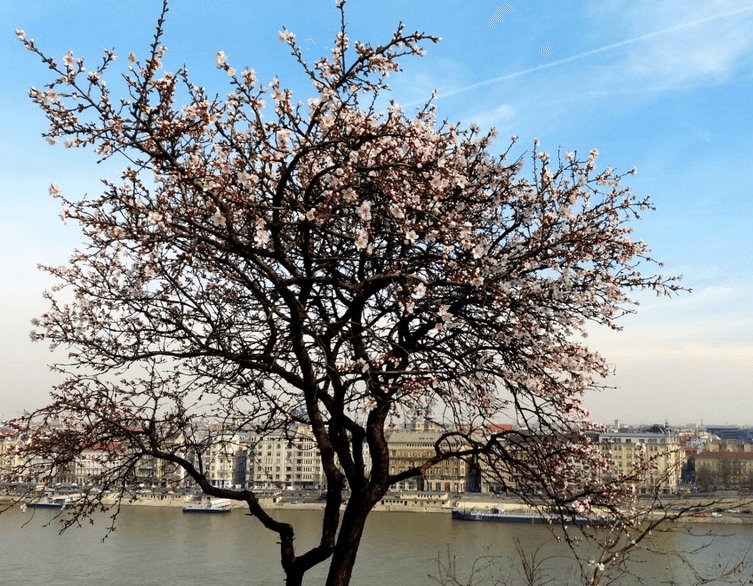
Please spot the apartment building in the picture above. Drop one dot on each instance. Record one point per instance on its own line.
(225, 458)
(661, 449)
(412, 447)
(93, 463)
(285, 459)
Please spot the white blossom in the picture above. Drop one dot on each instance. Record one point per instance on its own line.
(285, 36)
(218, 219)
(69, 60)
(261, 237)
(364, 211)
(362, 239)
(397, 211)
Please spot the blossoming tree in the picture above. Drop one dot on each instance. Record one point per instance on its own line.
(338, 263)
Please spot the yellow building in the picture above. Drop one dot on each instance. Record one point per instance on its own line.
(413, 447)
(8, 458)
(660, 451)
(35, 470)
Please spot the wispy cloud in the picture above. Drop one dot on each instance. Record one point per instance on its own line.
(710, 40)
(680, 57)
(495, 116)
(714, 322)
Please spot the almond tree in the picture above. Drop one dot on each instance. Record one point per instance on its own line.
(338, 263)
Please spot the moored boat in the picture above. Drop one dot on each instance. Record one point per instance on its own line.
(498, 514)
(59, 502)
(213, 506)
(45, 505)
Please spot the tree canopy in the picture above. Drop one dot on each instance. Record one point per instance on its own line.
(340, 263)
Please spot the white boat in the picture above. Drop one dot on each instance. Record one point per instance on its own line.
(57, 502)
(213, 506)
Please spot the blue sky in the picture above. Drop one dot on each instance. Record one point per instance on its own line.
(666, 87)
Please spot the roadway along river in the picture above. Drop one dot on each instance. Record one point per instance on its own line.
(157, 546)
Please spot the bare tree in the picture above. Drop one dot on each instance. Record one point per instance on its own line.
(329, 263)
(648, 538)
(530, 567)
(659, 545)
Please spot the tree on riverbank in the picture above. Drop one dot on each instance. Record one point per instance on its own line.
(262, 262)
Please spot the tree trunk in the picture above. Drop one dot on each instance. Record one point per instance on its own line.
(348, 540)
(293, 579)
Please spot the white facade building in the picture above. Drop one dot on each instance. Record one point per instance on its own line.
(286, 459)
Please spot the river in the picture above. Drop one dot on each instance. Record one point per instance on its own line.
(161, 545)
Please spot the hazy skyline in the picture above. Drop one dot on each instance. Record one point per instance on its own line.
(665, 88)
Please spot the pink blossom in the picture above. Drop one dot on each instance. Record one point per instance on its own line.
(218, 219)
(249, 76)
(362, 239)
(397, 211)
(69, 60)
(285, 36)
(261, 237)
(364, 211)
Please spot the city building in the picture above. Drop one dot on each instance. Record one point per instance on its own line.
(657, 448)
(93, 463)
(725, 465)
(731, 432)
(285, 459)
(413, 447)
(8, 458)
(225, 459)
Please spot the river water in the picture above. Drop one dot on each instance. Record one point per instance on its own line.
(161, 545)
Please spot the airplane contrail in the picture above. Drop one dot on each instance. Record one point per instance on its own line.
(585, 54)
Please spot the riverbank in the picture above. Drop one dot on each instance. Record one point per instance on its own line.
(397, 502)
